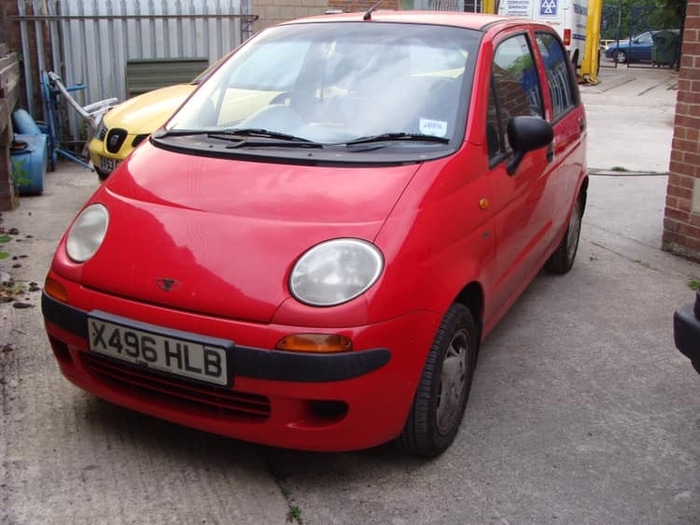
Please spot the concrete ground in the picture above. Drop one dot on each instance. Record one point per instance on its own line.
(630, 116)
(582, 411)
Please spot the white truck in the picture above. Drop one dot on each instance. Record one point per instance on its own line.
(567, 17)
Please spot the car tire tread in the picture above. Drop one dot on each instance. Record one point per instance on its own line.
(563, 258)
(421, 435)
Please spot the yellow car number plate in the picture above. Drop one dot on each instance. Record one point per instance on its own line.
(108, 165)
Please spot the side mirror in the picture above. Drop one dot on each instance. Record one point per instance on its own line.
(527, 134)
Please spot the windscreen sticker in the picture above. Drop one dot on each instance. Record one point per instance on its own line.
(436, 128)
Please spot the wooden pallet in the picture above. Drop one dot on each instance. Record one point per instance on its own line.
(9, 94)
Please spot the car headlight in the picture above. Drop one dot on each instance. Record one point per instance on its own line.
(102, 133)
(87, 233)
(334, 272)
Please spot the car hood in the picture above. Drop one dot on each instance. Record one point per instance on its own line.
(226, 232)
(145, 113)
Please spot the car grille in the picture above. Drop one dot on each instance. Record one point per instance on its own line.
(115, 139)
(102, 133)
(183, 395)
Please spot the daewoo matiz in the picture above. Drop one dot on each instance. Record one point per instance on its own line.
(310, 251)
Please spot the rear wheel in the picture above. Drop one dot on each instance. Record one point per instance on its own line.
(443, 391)
(574, 60)
(563, 258)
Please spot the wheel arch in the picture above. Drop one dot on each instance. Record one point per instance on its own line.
(583, 192)
(472, 296)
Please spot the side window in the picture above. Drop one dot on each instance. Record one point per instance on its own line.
(645, 38)
(515, 90)
(559, 77)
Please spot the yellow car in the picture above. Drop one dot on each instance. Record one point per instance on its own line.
(131, 122)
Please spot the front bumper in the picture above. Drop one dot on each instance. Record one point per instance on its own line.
(686, 331)
(331, 402)
(253, 362)
(105, 162)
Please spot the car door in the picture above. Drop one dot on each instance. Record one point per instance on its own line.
(522, 202)
(641, 47)
(565, 111)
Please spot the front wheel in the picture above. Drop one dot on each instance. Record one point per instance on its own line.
(443, 391)
(563, 258)
(620, 57)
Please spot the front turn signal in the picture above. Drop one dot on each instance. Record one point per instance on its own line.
(56, 290)
(315, 343)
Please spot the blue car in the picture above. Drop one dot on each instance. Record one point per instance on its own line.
(637, 48)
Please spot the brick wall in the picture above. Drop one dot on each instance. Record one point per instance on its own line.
(11, 27)
(682, 215)
(361, 5)
(273, 12)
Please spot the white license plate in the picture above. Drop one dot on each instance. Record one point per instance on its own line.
(108, 165)
(173, 352)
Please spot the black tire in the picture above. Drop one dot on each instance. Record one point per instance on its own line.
(619, 56)
(696, 365)
(435, 417)
(574, 61)
(561, 261)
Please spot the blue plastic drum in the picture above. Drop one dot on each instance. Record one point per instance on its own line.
(28, 155)
(23, 123)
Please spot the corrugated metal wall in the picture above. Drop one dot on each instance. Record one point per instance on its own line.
(92, 40)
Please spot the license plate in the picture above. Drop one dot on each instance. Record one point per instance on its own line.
(108, 165)
(173, 352)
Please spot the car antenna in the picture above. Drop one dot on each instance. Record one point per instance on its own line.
(368, 13)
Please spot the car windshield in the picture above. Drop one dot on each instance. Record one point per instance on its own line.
(337, 83)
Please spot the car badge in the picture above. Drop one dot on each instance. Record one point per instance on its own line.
(166, 284)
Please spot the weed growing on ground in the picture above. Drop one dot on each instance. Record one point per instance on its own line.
(4, 239)
(294, 515)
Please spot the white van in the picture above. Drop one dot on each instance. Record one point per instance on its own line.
(567, 17)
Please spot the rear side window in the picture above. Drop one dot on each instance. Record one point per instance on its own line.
(515, 90)
(559, 76)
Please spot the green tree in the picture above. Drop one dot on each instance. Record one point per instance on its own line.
(623, 18)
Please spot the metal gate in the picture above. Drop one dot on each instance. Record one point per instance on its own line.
(91, 41)
(470, 6)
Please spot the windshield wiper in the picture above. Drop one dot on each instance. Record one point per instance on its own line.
(244, 137)
(252, 138)
(258, 133)
(398, 137)
(230, 133)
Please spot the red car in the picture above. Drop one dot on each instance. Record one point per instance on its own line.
(311, 250)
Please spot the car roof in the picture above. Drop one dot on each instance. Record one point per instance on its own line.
(476, 21)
